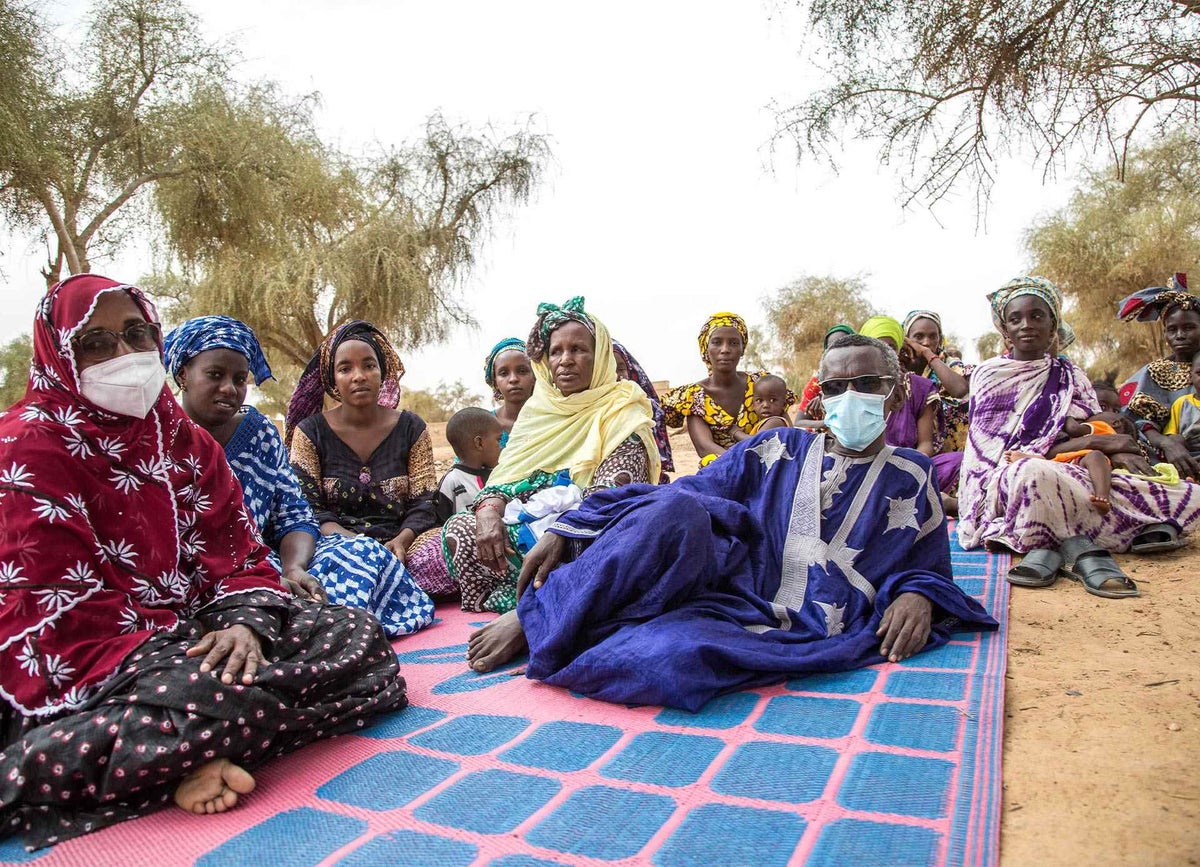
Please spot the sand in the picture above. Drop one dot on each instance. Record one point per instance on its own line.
(1102, 715)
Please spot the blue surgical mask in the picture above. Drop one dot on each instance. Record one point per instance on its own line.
(855, 419)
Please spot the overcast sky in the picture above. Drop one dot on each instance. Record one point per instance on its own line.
(665, 201)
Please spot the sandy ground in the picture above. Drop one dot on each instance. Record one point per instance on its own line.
(1102, 707)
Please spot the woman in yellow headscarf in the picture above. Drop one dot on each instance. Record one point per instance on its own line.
(718, 410)
(583, 430)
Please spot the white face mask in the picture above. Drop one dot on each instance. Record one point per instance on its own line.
(127, 385)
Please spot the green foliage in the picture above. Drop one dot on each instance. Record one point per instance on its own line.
(142, 127)
(440, 403)
(329, 239)
(1116, 237)
(85, 128)
(15, 357)
(989, 345)
(799, 314)
(947, 86)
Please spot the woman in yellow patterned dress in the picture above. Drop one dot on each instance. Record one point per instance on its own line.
(718, 409)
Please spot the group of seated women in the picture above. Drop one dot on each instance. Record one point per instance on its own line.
(185, 594)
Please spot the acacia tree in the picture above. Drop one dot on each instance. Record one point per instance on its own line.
(799, 314)
(387, 239)
(85, 129)
(142, 127)
(1114, 238)
(947, 86)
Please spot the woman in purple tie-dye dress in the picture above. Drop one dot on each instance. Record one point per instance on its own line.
(1019, 402)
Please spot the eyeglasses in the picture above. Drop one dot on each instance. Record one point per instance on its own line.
(100, 344)
(868, 384)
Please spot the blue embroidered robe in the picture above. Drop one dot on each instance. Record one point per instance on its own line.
(776, 560)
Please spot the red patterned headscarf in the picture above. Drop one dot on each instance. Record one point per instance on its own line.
(111, 527)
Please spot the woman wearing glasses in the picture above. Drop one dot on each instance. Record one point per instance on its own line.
(149, 650)
(794, 553)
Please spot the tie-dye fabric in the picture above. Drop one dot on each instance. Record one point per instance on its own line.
(1034, 503)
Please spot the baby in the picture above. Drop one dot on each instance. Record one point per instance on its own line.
(1096, 463)
(474, 434)
(770, 402)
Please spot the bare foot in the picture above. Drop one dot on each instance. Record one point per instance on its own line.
(1016, 456)
(1101, 505)
(497, 643)
(214, 788)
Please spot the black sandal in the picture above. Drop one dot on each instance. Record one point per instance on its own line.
(1155, 539)
(1095, 569)
(1038, 568)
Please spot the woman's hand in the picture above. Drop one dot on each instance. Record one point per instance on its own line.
(918, 351)
(815, 409)
(303, 585)
(540, 561)
(1131, 461)
(400, 544)
(333, 528)
(491, 538)
(905, 626)
(239, 643)
(1113, 444)
(1175, 451)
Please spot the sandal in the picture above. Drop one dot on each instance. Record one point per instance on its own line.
(1038, 568)
(1156, 538)
(1096, 569)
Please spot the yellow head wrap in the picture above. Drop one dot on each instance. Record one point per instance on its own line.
(720, 320)
(883, 326)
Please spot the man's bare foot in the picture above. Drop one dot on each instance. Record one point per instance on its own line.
(1101, 505)
(214, 788)
(497, 643)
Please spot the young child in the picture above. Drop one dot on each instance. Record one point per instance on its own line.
(770, 402)
(474, 434)
(1185, 413)
(1107, 394)
(1097, 464)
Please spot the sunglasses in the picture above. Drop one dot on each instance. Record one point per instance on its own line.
(100, 344)
(869, 384)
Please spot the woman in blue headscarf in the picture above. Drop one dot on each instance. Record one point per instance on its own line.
(211, 359)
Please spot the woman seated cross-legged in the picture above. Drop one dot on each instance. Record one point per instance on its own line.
(582, 431)
(211, 358)
(365, 467)
(794, 553)
(150, 652)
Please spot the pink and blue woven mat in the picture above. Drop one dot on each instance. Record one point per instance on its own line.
(896, 764)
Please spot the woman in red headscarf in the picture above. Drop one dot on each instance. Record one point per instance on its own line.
(147, 649)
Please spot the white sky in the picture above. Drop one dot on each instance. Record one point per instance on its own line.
(664, 202)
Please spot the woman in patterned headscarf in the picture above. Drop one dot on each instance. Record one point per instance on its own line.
(364, 466)
(718, 410)
(583, 429)
(150, 653)
(1151, 391)
(1021, 402)
(211, 358)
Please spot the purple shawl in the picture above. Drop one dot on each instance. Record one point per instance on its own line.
(1015, 405)
(902, 424)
